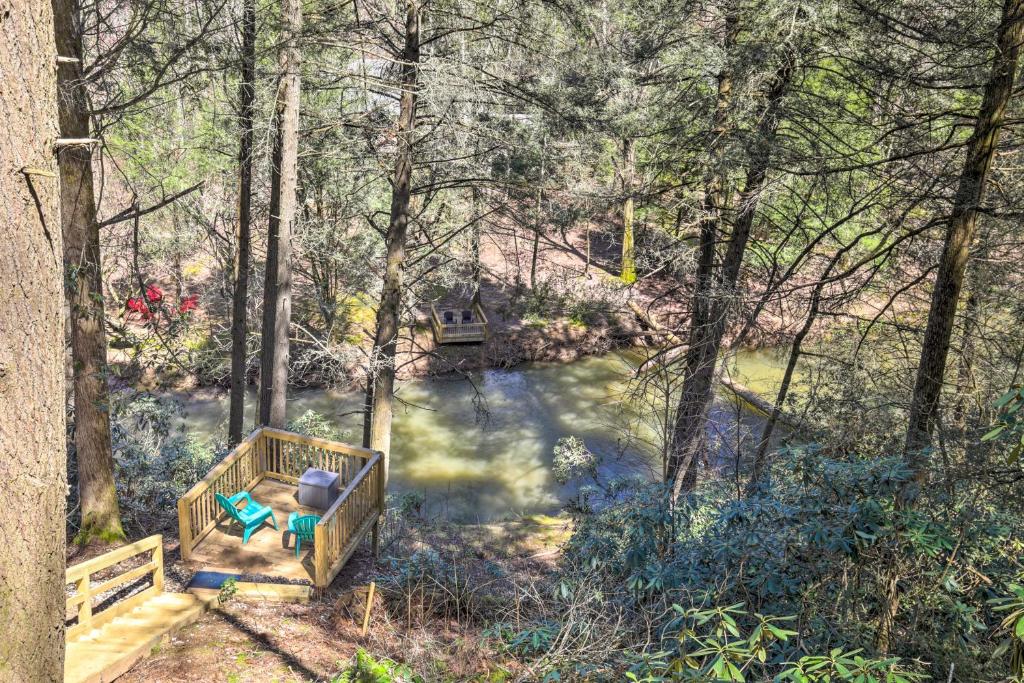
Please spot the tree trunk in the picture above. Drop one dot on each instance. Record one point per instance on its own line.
(100, 514)
(714, 296)
(475, 247)
(924, 404)
(539, 218)
(277, 296)
(385, 343)
(240, 276)
(628, 270)
(691, 415)
(33, 484)
(760, 464)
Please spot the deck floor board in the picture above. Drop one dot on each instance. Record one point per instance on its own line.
(268, 552)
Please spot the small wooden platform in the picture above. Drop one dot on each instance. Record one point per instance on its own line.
(105, 653)
(268, 552)
(269, 464)
(456, 331)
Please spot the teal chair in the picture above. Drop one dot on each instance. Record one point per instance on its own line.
(251, 517)
(301, 528)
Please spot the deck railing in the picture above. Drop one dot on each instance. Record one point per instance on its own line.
(198, 511)
(356, 510)
(284, 456)
(458, 331)
(81, 576)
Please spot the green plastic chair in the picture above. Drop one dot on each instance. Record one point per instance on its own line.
(251, 517)
(301, 527)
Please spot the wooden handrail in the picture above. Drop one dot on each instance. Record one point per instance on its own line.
(346, 522)
(237, 452)
(326, 444)
(480, 312)
(198, 512)
(81, 576)
(351, 487)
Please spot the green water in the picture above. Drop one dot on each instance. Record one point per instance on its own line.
(485, 453)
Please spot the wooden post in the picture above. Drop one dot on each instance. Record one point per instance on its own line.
(184, 529)
(84, 607)
(369, 606)
(381, 502)
(158, 560)
(320, 556)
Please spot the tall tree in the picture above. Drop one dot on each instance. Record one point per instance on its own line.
(924, 405)
(277, 304)
(385, 343)
(714, 291)
(705, 339)
(33, 484)
(100, 514)
(628, 269)
(240, 291)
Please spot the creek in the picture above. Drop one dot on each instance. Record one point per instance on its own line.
(483, 453)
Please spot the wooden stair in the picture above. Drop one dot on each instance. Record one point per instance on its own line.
(106, 641)
(104, 653)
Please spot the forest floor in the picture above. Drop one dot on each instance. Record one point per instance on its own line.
(437, 631)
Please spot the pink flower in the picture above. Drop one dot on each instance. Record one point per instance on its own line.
(189, 303)
(154, 294)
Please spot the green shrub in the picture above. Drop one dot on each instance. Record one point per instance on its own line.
(365, 669)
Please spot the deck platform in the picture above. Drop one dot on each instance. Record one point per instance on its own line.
(269, 464)
(451, 327)
(268, 552)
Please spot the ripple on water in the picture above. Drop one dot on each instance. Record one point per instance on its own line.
(474, 466)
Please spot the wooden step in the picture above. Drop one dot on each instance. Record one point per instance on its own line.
(103, 654)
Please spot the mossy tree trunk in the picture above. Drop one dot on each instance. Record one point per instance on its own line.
(628, 269)
(100, 514)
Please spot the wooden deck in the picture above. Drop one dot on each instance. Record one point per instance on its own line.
(268, 464)
(458, 332)
(268, 552)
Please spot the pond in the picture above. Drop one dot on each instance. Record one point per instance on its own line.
(484, 453)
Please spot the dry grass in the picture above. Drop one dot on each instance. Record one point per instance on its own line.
(440, 634)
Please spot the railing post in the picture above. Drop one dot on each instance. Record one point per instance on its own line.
(158, 560)
(185, 528)
(381, 498)
(84, 607)
(320, 551)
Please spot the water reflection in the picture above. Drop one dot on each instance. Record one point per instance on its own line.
(474, 465)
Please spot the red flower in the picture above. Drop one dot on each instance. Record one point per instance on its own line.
(189, 303)
(154, 294)
(135, 304)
